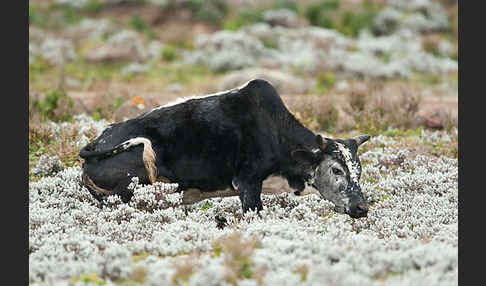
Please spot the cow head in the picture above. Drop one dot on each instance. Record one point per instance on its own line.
(337, 173)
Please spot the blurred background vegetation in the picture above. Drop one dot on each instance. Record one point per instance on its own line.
(340, 65)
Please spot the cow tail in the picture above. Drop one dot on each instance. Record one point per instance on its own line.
(149, 159)
(87, 153)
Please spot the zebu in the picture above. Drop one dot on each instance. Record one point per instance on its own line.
(231, 140)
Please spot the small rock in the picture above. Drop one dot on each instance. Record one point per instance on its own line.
(175, 88)
(109, 53)
(226, 50)
(154, 50)
(92, 29)
(57, 51)
(282, 17)
(416, 15)
(134, 68)
(123, 46)
(73, 82)
(436, 119)
(342, 85)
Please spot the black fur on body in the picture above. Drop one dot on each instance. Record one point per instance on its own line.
(232, 140)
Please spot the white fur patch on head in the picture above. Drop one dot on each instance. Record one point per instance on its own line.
(348, 160)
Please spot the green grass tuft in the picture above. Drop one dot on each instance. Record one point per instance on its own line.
(169, 53)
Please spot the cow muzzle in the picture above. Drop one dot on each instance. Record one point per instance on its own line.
(358, 210)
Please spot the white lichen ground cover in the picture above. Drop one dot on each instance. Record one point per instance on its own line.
(410, 236)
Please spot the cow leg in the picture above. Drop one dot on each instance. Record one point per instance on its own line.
(298, 185)
(250, 194)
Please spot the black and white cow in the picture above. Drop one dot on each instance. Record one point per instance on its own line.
(229, 140)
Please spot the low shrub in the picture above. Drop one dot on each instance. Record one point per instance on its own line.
(137, 23)
(37, 68)
(36, 17)
(169, 53)
(326, 80)
(106, 107)
(56, 106)
(319, 14)
(374, 112)
(140, 25)
(252, 14)
(237, 256)
(285, 4)
(349, 22)
(57, 140)
(93, 7)
(91, 279)
(245, 16)
(212, 11)
(183, 270)
(316, 112)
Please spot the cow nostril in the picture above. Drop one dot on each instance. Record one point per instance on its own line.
(362, 208)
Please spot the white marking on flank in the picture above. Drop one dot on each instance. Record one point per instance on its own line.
(136, 141)
(148, 156)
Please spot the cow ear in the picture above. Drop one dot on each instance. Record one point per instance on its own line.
(303, 156)
(361, 139)
(321, 142)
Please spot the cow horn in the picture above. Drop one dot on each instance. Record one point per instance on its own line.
(361, 139)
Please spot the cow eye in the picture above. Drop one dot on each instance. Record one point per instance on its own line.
(337, 171)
